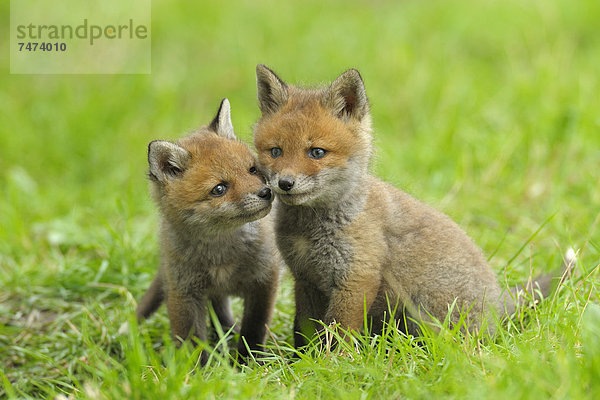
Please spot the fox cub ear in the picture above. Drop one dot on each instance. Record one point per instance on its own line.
(272, 91)
(167, 160)
(221, 124)
(346, 96)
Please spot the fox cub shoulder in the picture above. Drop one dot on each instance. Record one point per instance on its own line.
(214, 239)
(349, 239)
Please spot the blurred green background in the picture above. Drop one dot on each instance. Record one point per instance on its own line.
(487, 110)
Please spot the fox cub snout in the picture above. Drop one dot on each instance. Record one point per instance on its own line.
(350, 240)
(214, 239)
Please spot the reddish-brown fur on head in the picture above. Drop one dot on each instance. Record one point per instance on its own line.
(295, 120)
(297, 130)
(208, 178)
(213, 160)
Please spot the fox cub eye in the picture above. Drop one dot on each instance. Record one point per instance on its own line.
(219, 190)
(316, 153)
(252, 170)
(275, 152)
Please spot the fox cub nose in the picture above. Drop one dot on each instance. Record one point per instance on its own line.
(286, 183)
(264, 193)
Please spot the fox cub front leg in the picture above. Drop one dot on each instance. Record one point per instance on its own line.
(258, 310)
(344, 306)
(187, 315)
(350, 304)
(222, 307)
(311, 305)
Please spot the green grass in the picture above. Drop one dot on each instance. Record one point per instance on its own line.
(486, 109)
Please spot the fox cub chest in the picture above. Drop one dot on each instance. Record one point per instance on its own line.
(221, 266)
(317, 253)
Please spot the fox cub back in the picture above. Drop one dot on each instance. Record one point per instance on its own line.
(214, 239)
(349, 239)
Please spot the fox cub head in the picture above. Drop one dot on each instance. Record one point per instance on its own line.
(208, 180)
(313, 144)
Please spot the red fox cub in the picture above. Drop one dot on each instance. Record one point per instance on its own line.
(350, 240)
(213, 241)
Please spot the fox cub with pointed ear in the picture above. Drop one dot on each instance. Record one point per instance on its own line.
(350, 240)
(214, 239)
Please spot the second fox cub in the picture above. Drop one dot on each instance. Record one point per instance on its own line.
(213, 241)
(350, 240)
